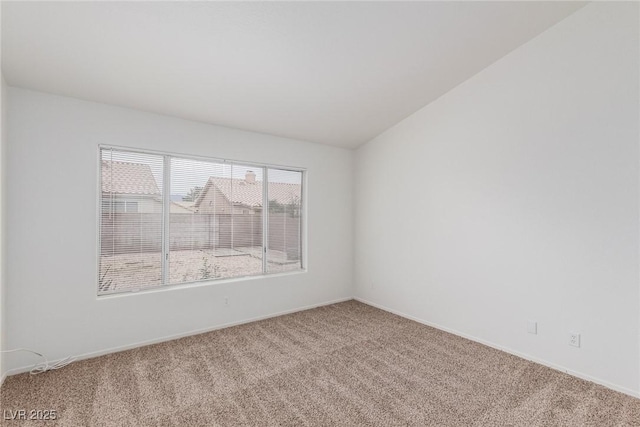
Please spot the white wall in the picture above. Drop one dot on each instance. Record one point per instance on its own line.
(3, 132)
(514, 197)
(3, 139)
(51, 243)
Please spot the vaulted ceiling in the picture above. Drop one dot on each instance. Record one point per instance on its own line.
(337, 73)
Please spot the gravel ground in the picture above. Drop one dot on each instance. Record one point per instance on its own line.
(126, 271)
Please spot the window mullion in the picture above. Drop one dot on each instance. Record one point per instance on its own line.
(265, 219)
(166, 205)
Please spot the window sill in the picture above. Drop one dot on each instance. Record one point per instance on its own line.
(190, 285)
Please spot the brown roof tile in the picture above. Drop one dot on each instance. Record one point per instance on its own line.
(250, 193)
(128, 178)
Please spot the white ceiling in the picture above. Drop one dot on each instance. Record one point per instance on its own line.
(329, 72)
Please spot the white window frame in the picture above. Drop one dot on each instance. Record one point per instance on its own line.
(166, 201)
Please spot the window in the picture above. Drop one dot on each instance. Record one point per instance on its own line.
(124, 206)
(168, 220)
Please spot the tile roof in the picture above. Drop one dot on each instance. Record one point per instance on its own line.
(128, 178)
(137, 178)
(239, 191)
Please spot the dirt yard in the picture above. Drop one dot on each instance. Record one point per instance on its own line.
(125, 272)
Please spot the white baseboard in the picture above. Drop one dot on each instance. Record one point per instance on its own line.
(507, 350)
(98, 353)
(362, 300)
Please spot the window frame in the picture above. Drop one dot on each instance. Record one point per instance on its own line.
(166, 202)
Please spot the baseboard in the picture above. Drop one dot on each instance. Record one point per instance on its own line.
(507, 350)
(103, 352)
(546, 363)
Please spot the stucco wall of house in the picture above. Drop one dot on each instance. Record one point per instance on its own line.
(213, 201)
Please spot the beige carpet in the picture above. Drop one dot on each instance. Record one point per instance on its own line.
(340, 365)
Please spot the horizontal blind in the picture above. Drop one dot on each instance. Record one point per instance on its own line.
(246, 246)
(207, 221)
(215, 221)
(284, 191)
(130, 221)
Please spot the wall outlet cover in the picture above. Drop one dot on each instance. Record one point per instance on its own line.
(574, 339)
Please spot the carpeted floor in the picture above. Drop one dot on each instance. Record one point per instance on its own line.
(340, 365)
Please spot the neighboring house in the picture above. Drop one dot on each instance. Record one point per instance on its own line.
(132, 201)
(129, 188)
(182, 207)
(244, 196)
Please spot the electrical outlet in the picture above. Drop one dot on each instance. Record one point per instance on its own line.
(532, 327)
(574, 339)
(226, 301)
